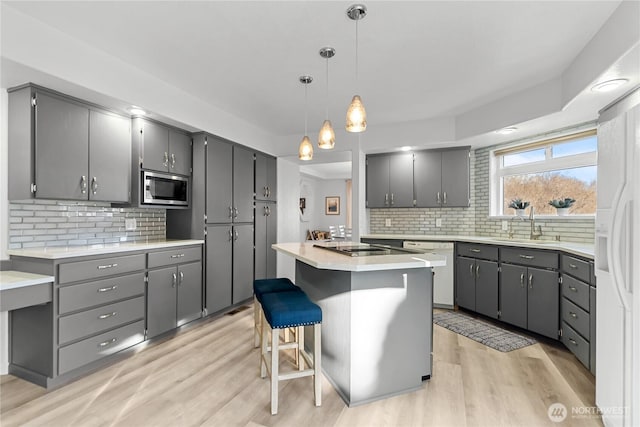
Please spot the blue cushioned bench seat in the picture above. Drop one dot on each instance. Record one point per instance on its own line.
(264, 286)
(290, 309)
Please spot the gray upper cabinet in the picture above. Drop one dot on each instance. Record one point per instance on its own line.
(62, 148)
(442, 178)
(243, 182)
(390, 181)
(266, 181)
(219, 181)
(109, 157)
(427, 175)
(163, 148)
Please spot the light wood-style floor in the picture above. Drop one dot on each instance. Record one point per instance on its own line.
(208, 375)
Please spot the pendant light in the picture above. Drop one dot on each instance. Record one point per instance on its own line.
(327, 137)
(305, 151)
(356, 115)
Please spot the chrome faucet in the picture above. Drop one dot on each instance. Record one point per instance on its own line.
(534, 235)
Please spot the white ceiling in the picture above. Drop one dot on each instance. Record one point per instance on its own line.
(420, 61)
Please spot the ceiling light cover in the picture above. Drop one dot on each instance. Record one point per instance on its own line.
(327, 136)
(356, 114)
(507, 131)
(608, 85)
(137, 111)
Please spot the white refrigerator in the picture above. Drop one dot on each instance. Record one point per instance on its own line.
(617, 263)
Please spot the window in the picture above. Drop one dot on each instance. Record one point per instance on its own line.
(538, 172)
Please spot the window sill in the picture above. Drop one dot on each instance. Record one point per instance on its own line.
(544, 217)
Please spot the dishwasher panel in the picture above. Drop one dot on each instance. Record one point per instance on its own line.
(443, 278)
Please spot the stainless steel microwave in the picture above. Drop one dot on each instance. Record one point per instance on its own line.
(164, 189)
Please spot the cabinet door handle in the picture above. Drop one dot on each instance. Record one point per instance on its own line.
(103, 267)
(526, 256)
(573, 289)
(386, 199)
(477, 251)
(235, 212)
(109, 289)
(107, 342)
(572, 341)
(268, 192)
(264, 191)
(522, 280)
(444, 197)
(181, 278)
(392, 199)
(438, 198)
(471, 270)
(230, 211)
(268, 210)
(531, 281)
(572, 314)
(177, 256)
(165, 160)
(175, 280)
(236, 236)
(230, 235)
(94, 185)
(83, 184)
(573, 266)
(478, 271)
(173, 160)
(107, 315)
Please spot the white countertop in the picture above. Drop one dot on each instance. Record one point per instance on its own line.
(581, 249)
(79, 251)
(327, 260)
(16, 279)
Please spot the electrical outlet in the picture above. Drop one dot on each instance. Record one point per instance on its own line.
(438, 222)
(130, 224)
(505, 225)
(387, 222)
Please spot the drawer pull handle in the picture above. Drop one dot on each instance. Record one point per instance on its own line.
(572, 341)
(572, 314)
(575, 267)
(110, 288)
(108, 342)
(477, 251)
(572, 288)
(107, 315)
(527, 256)
(102, 267)
(177, 256)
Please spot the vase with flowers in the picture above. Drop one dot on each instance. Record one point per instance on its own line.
(562, 205)
(519, 205)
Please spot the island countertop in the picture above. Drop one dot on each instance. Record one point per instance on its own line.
(327, 260)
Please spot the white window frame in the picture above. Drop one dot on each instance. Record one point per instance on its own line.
(497, 171)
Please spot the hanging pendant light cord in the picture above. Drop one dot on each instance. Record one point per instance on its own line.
(357, 80)
(306, 105)
(327, 112)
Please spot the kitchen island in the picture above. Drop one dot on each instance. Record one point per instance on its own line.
(376, 318)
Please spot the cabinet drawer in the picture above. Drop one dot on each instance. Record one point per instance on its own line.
(576, 344)
(99, 319)
(97, 268)
(175, 256)
(575, 317)
(477, 251)
(78, 297)
(576, 267)
(529, 257)
(94, 348)
(576, 291)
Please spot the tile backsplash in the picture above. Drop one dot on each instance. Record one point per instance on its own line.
(47, 223)
(475, 220)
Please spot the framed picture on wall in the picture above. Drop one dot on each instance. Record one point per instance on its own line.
(332, 205)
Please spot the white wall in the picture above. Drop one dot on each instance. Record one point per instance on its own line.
(288, 213)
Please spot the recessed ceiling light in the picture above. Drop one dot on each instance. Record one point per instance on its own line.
(507, 131)
(405, 148)
(608, 85)
(137, 111)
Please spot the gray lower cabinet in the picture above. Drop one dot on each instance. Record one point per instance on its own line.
(477, 285)
(242, 262)
(543, 302)
(163, 148)
(390, 181)
(265, 236)
(513, 295)
(75, 151)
